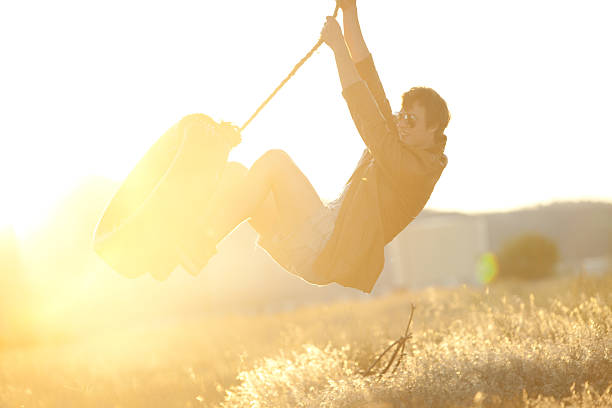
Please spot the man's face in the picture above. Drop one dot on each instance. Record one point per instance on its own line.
(412, 126)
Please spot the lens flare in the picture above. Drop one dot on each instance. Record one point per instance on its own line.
(487, 268)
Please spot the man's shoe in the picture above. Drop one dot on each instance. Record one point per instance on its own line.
(195, 255)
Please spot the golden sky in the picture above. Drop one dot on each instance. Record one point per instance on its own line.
(86, 88)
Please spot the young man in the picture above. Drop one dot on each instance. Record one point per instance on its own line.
(342, 241)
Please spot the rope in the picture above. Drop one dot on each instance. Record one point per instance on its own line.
(295, 69)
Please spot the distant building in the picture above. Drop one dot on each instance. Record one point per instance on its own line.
(438, 250)
(595, 265)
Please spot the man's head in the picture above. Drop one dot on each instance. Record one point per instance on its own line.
(423, 117)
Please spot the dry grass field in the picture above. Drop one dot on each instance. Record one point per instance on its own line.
(535, 344)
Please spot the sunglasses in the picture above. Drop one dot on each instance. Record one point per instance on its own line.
(409, 119)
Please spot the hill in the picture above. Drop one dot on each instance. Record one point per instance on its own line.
(581, 229)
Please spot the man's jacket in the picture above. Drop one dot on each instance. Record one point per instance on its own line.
(390, 186)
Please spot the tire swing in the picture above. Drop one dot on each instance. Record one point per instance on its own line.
(161, 200)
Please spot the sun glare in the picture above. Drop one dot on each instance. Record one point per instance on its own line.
(10, 220)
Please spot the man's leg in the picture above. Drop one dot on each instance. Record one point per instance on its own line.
(273, 175)
(265, 220)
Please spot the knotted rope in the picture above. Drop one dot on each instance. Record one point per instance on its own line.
(295, 69)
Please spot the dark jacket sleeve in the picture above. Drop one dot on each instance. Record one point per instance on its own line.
(367, 72)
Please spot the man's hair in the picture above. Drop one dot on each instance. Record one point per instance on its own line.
(435, 106)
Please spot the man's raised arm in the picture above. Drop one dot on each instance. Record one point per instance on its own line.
(363, 59)
(352, 31)
(332, 36)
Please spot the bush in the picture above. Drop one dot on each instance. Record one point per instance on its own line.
(529, 256)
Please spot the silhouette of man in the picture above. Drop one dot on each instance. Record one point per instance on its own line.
(342, 241)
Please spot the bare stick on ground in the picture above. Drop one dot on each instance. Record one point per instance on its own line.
(400, 346)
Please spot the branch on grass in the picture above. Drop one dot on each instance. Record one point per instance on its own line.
(398, 346)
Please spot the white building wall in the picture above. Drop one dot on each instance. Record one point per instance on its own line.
(440, 251)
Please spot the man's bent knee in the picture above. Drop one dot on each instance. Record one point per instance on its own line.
(276, 158)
